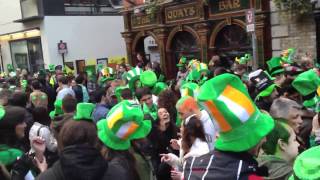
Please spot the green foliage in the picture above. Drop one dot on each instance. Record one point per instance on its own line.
(294, 6)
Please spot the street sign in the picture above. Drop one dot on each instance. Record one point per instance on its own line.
(250, 20)
(62, 47)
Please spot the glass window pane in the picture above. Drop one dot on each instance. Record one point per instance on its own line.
(19, 54)
(35, 55)
(29, 8)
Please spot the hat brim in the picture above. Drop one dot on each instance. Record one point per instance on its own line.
(247, 136)
(276, 72)
(113, 142)
(268, 91)
(312, 103)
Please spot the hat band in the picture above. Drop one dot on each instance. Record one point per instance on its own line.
(275, 69)
(309, 96)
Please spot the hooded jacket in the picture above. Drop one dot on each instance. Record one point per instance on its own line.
(219, 165)
(278, 169)
(77, 162)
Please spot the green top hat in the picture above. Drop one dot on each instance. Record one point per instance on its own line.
(132, 76)
(57, 109)
(307, 84)
(2, 112)
(244, 59)
(124, 122)
(275, 66)
(51, 67)
(189, 89)
(10, 68)
(307, 165)
(159, 87)
(263, 83)
(240, 122)
(288, 55)
(84, 112)
(182, 61)
(148, 78)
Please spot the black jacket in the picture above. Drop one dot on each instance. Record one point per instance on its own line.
(77, 162)
(219, 165)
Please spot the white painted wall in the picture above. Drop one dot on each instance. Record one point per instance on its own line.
(87, 37)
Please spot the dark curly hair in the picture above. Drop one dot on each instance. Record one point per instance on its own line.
(168, 99)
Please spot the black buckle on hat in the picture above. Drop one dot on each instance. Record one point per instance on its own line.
(309, 96)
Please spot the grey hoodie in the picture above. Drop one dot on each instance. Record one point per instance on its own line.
(278, 169)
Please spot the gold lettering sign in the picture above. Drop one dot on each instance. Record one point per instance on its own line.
(225, 5)
(174, 14)
(144, 20)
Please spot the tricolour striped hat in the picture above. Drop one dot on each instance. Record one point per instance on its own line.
(241, 124)
(189, 89)
(124, 122)
(132, 76)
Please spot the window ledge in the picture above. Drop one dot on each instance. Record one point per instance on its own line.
(28, 19)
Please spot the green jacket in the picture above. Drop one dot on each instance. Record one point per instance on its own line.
(278, 169)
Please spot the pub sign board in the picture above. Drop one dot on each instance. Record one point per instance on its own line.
(181, 13)
(222, 6)
(143, 20)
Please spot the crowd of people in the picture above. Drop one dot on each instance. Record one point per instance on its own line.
(215, 121)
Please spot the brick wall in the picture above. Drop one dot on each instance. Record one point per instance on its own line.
(289, 30)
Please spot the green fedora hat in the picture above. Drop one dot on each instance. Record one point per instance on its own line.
(275, 66)
(159, 87)
(182, 61)
(124, 122)
(307, 84)
(57, 109)
(263, 83)
(241, 124)
(132, 76)
(84, 112)
(148, 78)
(189, 89)
(307, 165)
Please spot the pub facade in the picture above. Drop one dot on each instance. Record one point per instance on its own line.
(197, 29)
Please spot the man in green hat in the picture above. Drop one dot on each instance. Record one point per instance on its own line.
(276, 70)
(133, 78)
(145, 99)
(266, 90)
(182, 70)
(242, 130)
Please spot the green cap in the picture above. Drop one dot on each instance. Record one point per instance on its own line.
(148, 78)
(159, 87)
(124, 122)
(84, 112)
(275, 66)
(189, 89)
(307, 165)
(241, 124)
(57, 109)
(307, 84)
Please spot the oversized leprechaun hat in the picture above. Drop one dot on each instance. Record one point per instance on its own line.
(182, 61)
(307, 165)
(307, 84)
(124, 122)
(193, 76)
(84, 112)
(240, 122)
(189, 89)
(159, 87)
(275, 66)
(244, 59)
(57, 109)
(132, 76)
(10, 68)
(263, 83)
(51, 67)
(148, 78)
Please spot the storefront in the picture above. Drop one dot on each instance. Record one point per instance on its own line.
(197, 30)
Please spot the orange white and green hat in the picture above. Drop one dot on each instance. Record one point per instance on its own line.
(124, 122)
(189, 89)
(240, 122)
(308, 85)
(307, 165)
(132, 76)
(57, 109)
(84, 112)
